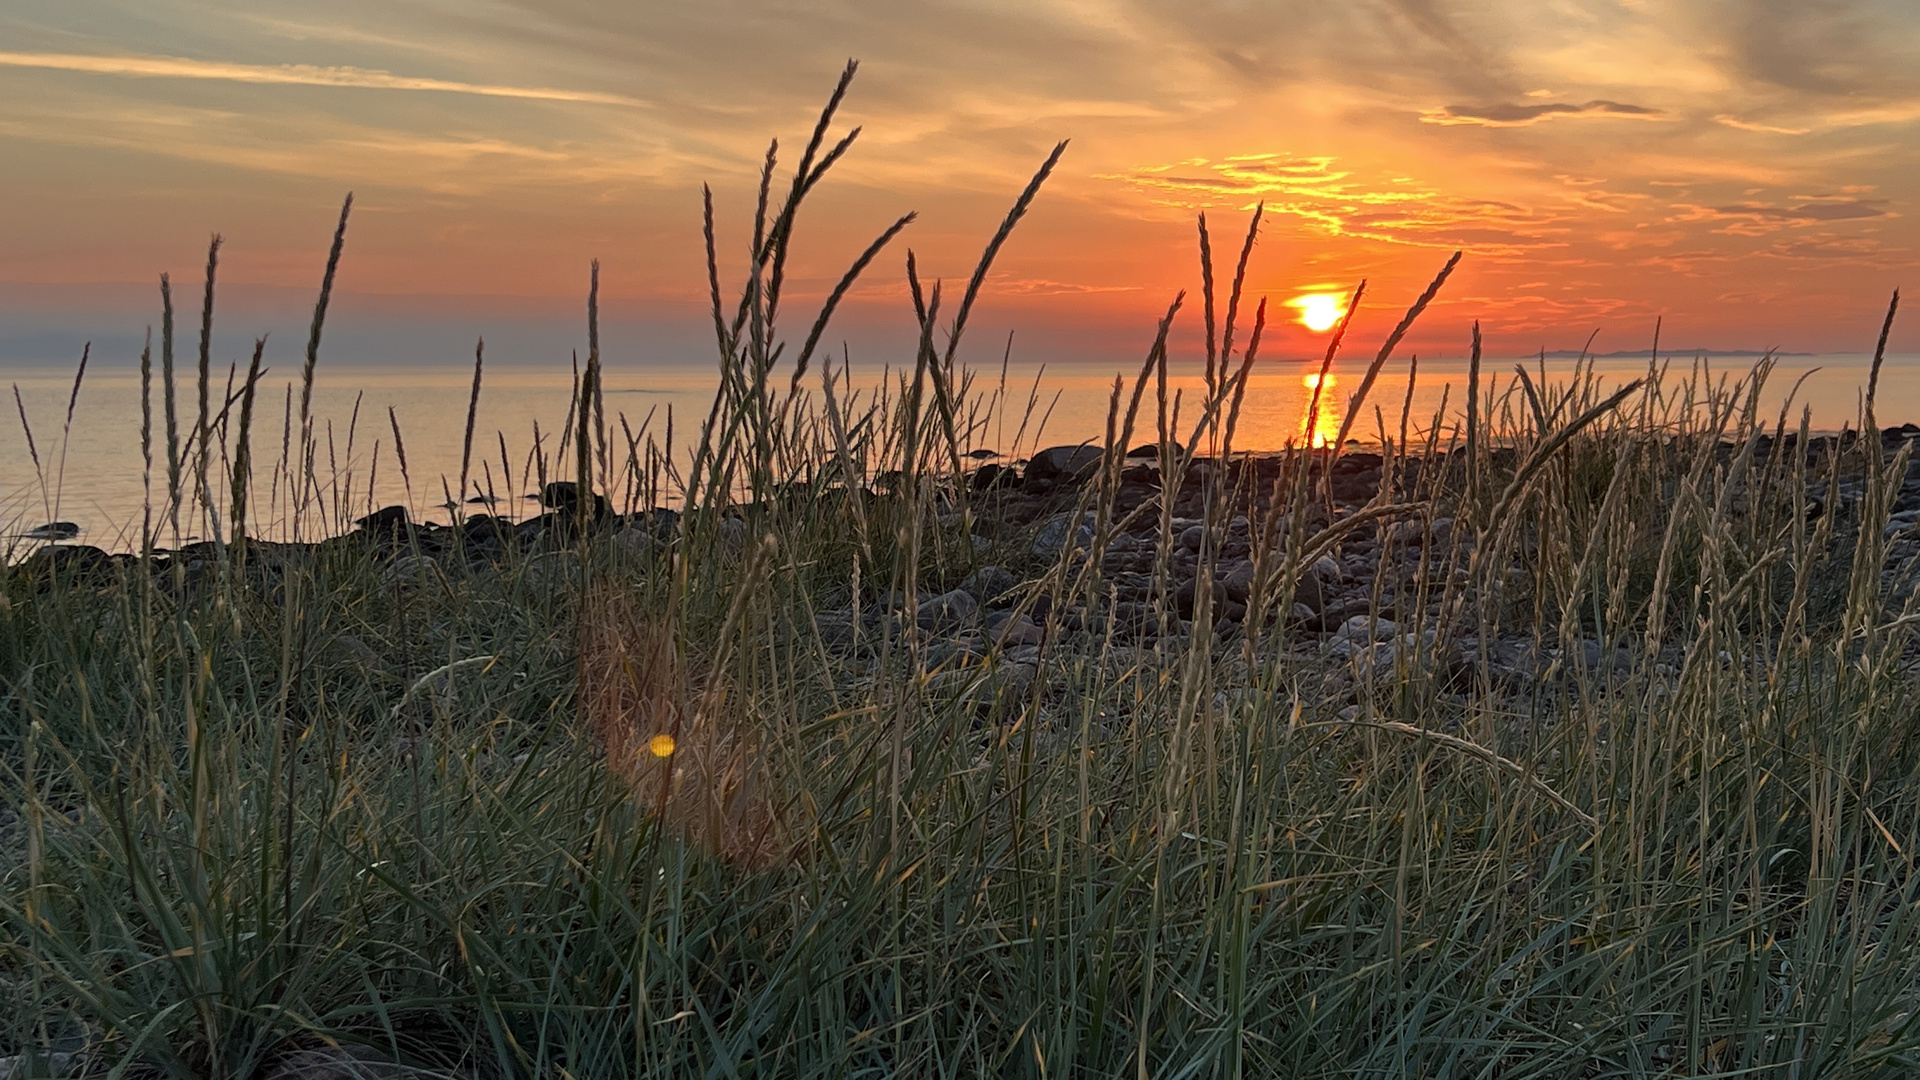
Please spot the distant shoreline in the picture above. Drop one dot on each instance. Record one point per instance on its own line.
(1623, 354)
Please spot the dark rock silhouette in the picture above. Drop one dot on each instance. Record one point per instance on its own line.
(1064, 464)
(567, 511)
(386, 522)
(991, 476)
(52, 530)
(484, 535)
(68, 563)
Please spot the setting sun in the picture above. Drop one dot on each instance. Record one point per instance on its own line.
(1319, 312)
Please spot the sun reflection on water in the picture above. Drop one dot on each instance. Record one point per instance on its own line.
(1320, 419)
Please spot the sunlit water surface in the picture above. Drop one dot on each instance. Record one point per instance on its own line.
(92, 473)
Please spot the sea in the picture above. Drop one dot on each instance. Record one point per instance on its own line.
(77, 456)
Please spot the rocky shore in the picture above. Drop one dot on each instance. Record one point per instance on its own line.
(1394, 590)
(1394, 581)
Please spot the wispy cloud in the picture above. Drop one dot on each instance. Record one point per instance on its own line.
(174, 67)
(1748, 125)
(1515, 115)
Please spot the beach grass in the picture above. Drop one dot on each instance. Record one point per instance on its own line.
(262, 800)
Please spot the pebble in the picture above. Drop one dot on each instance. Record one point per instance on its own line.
(1007, 629)
(1060, 530)
(948, 611)
(990, 584)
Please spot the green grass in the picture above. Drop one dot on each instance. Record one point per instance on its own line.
(275, 801)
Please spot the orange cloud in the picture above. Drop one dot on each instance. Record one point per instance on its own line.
(1394, 210)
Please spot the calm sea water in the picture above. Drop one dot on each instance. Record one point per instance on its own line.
(91, 473)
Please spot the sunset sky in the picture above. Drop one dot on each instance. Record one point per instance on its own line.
(1744, 168)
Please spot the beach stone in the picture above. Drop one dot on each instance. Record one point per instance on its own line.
(68, 562)
(1192, 537)
(1363, 629)
(1064, 464)
(1378, 658)
(1187, 598)
(486, 533)
(948, 611)
(1355, 487)
(993, 477)
(952, 653)
(661, 521)
(388, 522)
(1008, 629)
(408, 572)
(1237, 578)
(835, 627)
(550, 570)
(1060, 531)
(989, 584)
(978, 687)
(1319, 585)
(636, 540)
(901, 601)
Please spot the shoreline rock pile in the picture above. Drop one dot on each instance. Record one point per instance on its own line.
(1367, 603)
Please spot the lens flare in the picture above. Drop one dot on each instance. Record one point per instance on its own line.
(1319, 312)
(661, 745)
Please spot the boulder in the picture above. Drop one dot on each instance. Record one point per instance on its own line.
(1064, 464)
(68, 563)
(990, 476)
